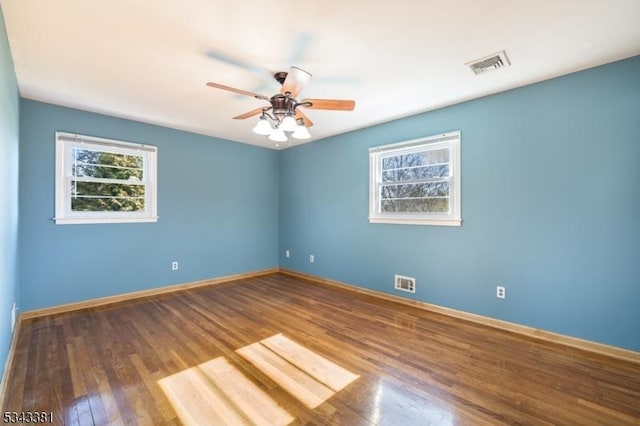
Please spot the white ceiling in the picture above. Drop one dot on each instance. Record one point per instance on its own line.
(149, 60)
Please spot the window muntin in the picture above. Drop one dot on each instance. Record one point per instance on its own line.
(416, 182)
(104, 181)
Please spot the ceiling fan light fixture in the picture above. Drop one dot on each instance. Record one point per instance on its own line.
(263, 127)
(282, 121)
(278, 135)
(288, 124)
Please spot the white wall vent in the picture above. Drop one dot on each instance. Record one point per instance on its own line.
(405, 283)
(489, 63)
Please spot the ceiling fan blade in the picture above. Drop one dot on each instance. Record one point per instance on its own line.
(334, 104)
(249, 114)
(240, 91)
(295, 81)
(300, 114)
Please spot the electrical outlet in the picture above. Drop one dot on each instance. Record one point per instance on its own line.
(287, 253)
(312, 258)
(501, 292)
(174, 265)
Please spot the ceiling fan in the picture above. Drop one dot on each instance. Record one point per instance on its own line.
(285, 113)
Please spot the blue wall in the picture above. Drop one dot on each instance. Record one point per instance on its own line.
(217, 203)
(9, 128)
(550, 203)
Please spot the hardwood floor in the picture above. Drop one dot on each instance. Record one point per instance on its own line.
(277, 350)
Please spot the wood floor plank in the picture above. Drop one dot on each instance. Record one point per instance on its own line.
(150, 381)
(104, 365)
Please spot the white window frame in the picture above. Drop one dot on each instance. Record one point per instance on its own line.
(449, 140)
(65, 143)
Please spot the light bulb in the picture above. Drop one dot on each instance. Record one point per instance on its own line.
(288, 124)
(278, 135)
(263, 127)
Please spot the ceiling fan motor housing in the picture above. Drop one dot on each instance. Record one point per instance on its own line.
(281, 104)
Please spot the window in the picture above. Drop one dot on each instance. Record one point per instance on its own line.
(416, 182)
(104, 181)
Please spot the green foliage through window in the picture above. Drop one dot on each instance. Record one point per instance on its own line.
(102, 180)
(106, 181)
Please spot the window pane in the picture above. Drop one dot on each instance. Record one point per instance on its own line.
(415, 190)
(422, 158)
(429, 205)
(81, 204)
(97, 196)
(107, 165)
(107, 189)
(416, 173)
(107, 172)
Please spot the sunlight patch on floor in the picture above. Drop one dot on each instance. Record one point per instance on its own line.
(311, 378)
(216, 393)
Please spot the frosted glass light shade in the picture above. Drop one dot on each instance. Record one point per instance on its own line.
(288, 124)
(301, 132)
(278, 135)
(263, 127)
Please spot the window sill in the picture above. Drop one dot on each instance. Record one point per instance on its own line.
(89, 220)
(416, 221)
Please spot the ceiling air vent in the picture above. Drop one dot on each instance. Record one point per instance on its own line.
(489, 63)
